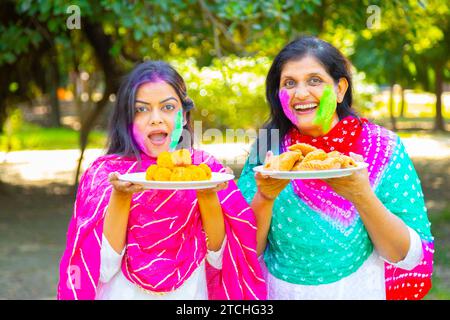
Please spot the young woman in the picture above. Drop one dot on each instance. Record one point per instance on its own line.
(124, 242)
(364, 236)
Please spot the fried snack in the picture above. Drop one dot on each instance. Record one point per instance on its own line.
(150, 172)
(304, 148)
(326, 164)
(334, 154)
(317, 154)
(165, 160)
(181, 157)
(206, 169)
(347, 162)
(162, 174)
(283, 162)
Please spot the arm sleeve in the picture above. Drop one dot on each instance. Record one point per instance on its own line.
(215, 257)
(110, 261)
(414, 255)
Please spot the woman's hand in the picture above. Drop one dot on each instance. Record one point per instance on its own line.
(269, 188)
(353, 187)
(123, 187)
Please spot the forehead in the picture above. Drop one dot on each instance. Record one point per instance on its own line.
(155, 91)
(303, 67)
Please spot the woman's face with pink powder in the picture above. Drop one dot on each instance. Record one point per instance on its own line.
(302, 83)
(156, 105)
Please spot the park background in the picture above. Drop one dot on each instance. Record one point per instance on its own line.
(61, 63)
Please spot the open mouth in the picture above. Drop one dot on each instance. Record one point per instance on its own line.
(158, 138)
(305, 108)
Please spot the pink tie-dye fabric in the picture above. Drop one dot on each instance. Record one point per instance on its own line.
(165, 238)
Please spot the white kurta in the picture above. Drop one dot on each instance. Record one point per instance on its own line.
(367, 283)
(114, 286)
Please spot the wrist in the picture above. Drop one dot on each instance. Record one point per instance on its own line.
(121, 196)
(261, 195)
(363, 198)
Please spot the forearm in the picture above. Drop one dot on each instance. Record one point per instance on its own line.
(212, 219)
(262, 207)
(388, 232)
(116, 220)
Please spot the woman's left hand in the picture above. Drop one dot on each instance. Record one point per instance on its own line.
(352, 187)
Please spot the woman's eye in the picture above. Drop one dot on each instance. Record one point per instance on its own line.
(169, 107)
(141, 109)
(289, 84)
(315, 81)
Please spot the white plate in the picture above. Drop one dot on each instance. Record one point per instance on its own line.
(311, 174)
(139, 178)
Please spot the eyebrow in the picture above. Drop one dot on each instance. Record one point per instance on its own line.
(162, 101)
(309, 74)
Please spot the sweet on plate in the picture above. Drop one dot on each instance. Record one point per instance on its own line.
(177, 166)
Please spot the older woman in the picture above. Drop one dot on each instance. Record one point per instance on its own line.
(364, 236)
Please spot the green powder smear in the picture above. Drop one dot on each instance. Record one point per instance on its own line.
(178, 129)
(327, 106)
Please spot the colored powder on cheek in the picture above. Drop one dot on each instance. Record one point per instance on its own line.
(327, 107)
(139, 139)
(283, 95)
(177, 131)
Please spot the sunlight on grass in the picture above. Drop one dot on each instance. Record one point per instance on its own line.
(33, 137)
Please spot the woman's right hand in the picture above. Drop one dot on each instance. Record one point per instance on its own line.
(268, 187)
(123, 187)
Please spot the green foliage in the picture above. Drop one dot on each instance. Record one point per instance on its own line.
(229, 93)
(212, 37)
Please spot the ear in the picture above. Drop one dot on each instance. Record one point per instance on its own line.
(184, 118)
(341, 89)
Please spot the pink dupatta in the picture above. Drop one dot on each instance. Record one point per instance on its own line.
(165, 239)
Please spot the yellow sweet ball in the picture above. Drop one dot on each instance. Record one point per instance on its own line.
(164, 160)
(181, 157)
(162, 174)
(206, 169)
(150, 172)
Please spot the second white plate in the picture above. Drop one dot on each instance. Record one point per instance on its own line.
(311, 174)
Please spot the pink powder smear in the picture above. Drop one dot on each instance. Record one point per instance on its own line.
(137, 136)
(283, 95)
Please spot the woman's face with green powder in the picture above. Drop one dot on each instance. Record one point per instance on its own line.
(302, 83)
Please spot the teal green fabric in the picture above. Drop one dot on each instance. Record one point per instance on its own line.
(401, 193)
(309, 248)
(303, 247)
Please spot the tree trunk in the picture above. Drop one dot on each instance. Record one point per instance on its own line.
(402, 104)
(439, 119)
(55, 118)
(101, 44)
(391, 108)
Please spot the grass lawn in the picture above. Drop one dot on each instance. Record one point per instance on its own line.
(34, 137)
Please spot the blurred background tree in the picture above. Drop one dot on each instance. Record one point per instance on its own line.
(222, 48)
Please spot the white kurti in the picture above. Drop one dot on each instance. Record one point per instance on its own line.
(367, 283)
(114, 286)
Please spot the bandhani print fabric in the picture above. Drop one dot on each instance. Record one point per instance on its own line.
(165, 238)
(317, 237)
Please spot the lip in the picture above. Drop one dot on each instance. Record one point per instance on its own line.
(158, 143)
(307, 111)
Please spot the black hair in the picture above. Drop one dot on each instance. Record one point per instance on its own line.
(120, 138)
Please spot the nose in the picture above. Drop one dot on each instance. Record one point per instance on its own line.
(155, 118)
(301, 92)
